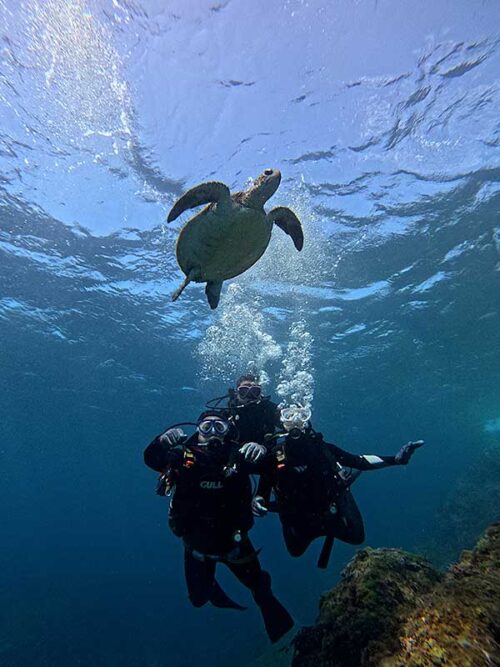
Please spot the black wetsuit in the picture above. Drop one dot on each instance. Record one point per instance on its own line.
(211, 511)
(312, 500)
(256, 420)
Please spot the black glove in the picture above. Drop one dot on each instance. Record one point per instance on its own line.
(406, 452)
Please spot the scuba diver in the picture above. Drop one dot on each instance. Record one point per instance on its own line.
(312, 486)
(209, 475)
(254, 416)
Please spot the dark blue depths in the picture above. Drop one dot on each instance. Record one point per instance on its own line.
(399, 198)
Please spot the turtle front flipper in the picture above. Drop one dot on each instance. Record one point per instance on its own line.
(206, 193)
(212, 290)
(289, 223)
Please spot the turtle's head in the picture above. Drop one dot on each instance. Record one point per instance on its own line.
(263, 187)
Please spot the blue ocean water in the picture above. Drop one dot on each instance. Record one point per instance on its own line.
(383, 118)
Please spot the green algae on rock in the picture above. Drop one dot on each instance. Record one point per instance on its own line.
(393, 609)
(459, 622)
(364, 612)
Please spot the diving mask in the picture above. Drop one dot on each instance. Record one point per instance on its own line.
(251, 392)
(295, 417)
(217, 427)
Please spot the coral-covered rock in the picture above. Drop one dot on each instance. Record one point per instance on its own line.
(393, 609)
(365, 611)
(459, 622)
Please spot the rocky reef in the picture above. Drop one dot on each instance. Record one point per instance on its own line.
(393, 609)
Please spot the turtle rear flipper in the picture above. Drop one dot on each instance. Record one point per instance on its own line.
(212, 290)
(181, 288)
(206, 193)
(289, 223)
(190, 276)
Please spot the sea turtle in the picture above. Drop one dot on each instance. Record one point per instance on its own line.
(231, 233)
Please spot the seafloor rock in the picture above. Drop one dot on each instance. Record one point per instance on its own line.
(393, 609)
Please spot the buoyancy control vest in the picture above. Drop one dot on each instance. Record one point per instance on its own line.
(211, 500)
(306, 474)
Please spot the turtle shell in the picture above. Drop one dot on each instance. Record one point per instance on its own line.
(220, 243)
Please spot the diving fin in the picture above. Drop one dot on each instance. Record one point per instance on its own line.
(276, 618)
(220, 599)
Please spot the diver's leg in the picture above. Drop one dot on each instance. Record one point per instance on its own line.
(348, 525)
(276, 618)
(246, 567)
(298, 536)
(200, 577)
(219, 598)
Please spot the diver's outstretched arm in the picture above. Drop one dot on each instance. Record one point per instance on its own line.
(374, 461)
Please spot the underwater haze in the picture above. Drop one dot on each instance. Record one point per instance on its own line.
(383, 117)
